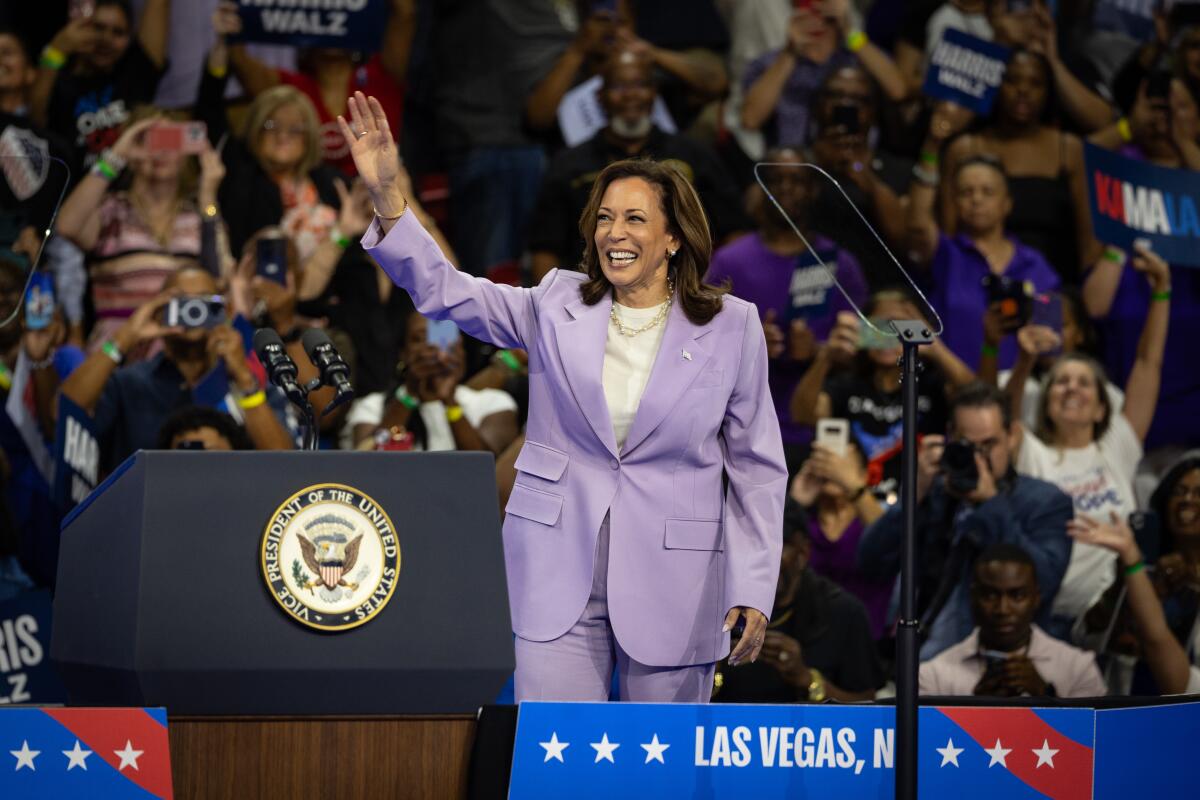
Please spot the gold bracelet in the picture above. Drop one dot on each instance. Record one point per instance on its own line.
(398, 216)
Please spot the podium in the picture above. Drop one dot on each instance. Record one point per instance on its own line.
(164, 598)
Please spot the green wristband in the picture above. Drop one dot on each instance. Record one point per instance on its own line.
(1114, 255)
(1134, 569)
(989, 350)
(929, 158)
(509, 360)
(111, 350)
(407, 400)
(104, 169)
(1165, 294)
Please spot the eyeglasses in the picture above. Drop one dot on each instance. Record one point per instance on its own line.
(274, 128)
(1181, 492)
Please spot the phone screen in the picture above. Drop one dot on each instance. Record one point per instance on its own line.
(442, 333)
(177, 137)
(834, 434)
(39, 302)
(271, 260)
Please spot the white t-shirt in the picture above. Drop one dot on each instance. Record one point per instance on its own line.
(627, 364)
(477, 405)
(1099, 479)
(1032, 396)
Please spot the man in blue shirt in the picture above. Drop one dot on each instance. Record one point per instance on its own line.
(961, 512)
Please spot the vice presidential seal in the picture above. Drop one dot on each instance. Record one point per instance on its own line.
(330, 557)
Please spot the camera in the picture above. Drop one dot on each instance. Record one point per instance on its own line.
(959, 467)
(196, 312)
(1014, 297)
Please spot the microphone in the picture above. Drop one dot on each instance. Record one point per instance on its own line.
(334, 371)
(281, 370)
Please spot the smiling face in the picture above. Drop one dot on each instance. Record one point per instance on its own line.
(1074, 397)
(627, 96)
(111, 29)
(283, 139)
(632, 239)
(1023, 91)
(1183, 506)
(16, 73)
(1004, 599)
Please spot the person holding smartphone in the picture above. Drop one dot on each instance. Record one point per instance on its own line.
(1008, 655)
(645, 522)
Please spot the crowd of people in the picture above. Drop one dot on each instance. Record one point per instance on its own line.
(1059, 497)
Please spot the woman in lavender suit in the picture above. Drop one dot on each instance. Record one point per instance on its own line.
(646, 518)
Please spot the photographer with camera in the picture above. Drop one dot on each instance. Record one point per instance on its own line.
(958, 266)
(970, 497)
(129, 405)
(1007, 655)
(1083, 444)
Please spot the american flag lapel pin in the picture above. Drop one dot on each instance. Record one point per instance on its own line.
(687, 355)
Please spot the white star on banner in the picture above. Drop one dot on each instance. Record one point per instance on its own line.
(128, 756)
(998, 754)
(604, 750)
(25, 756)
(1045, 754)
(554, 748)
(949, 753)
(77, 757)
(654, 750)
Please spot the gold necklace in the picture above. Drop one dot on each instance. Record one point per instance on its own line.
(659, 317)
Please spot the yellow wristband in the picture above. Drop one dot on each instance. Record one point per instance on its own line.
(1123, 129)
(252, 400)
(52, 57)
(454, 413)
(855, 41)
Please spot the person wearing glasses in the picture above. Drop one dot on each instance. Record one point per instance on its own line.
(969, 497)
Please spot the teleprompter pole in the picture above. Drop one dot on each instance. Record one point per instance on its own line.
(912, 335)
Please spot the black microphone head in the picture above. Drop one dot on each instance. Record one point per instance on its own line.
(264, 338)
(314, 338)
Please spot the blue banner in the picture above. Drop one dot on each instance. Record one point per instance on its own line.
(1132, 200)
(1153, 751)
(606, 750)
(26, 674)
(341, 24)
(94, 753)
(77, 455)
(966, 70)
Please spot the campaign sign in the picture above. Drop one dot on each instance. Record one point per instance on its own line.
(97, 753)
(26, 674)
(966, 70)
(77, 455)
(1133, 200)
(340, 24)
(1153, 749)
(606, 750)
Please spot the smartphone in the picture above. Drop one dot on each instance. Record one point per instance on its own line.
(196, 312)
(271, 259)
(442, 333)
(834, 434)
(1158, 85)
(1014, 298)
(845, 117)
(188, 138)
(39, 301)
(871, 339)
(1046, 310)
(1147, 533)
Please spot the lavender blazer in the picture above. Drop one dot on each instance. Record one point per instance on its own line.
(686, 545)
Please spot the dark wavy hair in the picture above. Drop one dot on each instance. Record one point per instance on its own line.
(685, 219)
(189, 419)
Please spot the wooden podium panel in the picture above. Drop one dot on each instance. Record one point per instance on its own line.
(232, 758)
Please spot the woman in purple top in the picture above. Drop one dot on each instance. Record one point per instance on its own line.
(833, 490)
(773, 269)
(957, 266)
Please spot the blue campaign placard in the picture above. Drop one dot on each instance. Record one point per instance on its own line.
(77, 455)
(26, 673)
(605, 750)
(1132, 200)
(1150, 751)
(966, 70)
(340, 24)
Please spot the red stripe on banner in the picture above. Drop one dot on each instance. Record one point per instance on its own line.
(1022, 731)
(106, 730)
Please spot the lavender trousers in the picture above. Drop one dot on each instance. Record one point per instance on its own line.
(578, 665)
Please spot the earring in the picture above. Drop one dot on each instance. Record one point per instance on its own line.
(671, 253)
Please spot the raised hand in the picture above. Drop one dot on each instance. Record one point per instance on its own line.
(374, 152)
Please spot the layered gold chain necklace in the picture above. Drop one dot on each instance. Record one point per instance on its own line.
(663, 309)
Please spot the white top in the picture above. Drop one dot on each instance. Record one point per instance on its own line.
(477, 405)
(627, 364)
(1032, 396)
(1099, 479)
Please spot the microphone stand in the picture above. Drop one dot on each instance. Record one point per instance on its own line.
(912, 335)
